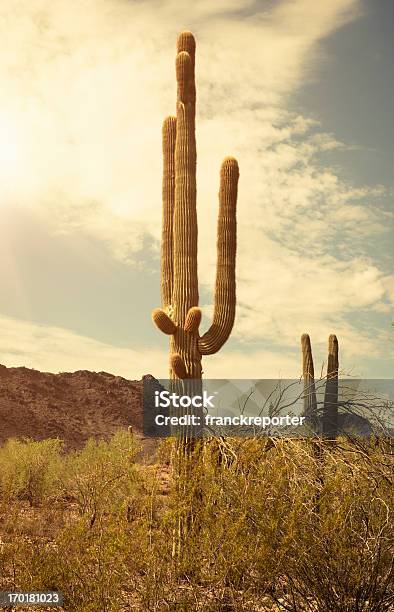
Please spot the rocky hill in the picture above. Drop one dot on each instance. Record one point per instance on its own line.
(72, 406)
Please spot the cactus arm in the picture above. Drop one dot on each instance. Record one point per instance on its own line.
(333, 361)
(178, 366)
(168, 194)
(185, 293)
(308, 374)
(163, 322)
(224, 309)
(193, 319)
(308, 370)
(186, 42)
(330, 413)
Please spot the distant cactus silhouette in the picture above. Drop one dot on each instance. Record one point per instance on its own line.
(330, 408)
(180, 316)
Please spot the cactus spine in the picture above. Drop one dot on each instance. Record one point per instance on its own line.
(180, 316)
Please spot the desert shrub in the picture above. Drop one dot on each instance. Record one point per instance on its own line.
(85, 564)
(30, 469)
(88, 553)
(104, 564)
(309, 532)
(102, 476)
(341, 553)
(238, 537)
(272, 526)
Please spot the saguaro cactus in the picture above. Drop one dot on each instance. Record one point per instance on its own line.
(330, 408)
(180, 316)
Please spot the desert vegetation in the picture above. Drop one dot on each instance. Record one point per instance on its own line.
(279, 526)
(256, 523)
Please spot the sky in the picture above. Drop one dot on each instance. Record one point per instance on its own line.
(300, 92)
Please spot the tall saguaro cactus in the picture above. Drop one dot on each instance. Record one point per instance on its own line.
(180, 316)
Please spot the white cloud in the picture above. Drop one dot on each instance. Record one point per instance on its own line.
(55, 349)
(84, 87)
(83, 99)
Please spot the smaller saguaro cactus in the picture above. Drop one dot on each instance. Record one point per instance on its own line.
(330, 408)
(330, 412)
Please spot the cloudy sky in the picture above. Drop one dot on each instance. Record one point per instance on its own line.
(300, 91)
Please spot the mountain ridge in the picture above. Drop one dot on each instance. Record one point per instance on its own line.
(73, 406)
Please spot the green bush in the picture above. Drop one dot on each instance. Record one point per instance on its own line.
(30, 470)
(102, 476)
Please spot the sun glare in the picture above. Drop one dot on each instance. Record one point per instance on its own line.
(9, 148)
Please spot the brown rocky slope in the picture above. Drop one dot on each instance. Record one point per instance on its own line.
(72, 406)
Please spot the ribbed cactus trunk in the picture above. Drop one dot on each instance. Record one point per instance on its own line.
(308, 374)
(180, 316)
(330, 412)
